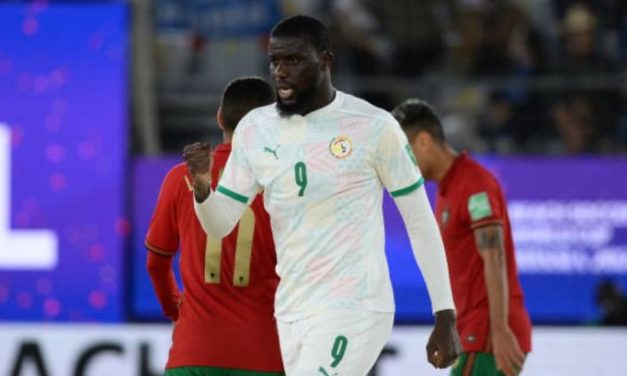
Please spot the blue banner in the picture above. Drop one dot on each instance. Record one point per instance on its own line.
(63, 157)
(569, 218)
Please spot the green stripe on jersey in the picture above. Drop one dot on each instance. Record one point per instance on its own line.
(233, 195)
(410, 189)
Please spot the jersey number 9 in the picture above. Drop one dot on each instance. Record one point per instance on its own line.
(300, 175)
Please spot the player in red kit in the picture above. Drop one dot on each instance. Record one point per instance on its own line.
(471, 210)
(223, 318)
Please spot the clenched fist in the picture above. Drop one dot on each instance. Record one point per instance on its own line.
(444, 346)
(199, 159)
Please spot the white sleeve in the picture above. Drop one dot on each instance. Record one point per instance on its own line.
(218, 214)
(237, 187)
(427, 245)
(395, 162)
(238, 180)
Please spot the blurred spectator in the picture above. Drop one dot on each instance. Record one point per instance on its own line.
(612, 22)
(613, 303)
(197, 42)
(416, 31)
(485, 28)
(361, 47)
(515, 118)
(523, 76)
(585, 114)
(543, 20)
(364, 41)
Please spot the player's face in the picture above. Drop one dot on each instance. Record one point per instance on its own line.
(420, 145)
(580, 44)
(296, 70)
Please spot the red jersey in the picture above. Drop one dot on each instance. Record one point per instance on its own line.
(469, 197)
(226, 313)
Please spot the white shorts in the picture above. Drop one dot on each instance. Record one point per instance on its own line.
(334, 343)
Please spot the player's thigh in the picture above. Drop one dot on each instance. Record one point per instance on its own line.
(342, 343)
(476, 364)
(215, 371)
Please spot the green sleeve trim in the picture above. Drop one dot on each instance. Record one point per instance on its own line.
(410, 189)
(233, 195)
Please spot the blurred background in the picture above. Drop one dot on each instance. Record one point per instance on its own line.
(97, 99)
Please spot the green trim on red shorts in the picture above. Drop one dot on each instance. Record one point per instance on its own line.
(216, 371)
(475, 364)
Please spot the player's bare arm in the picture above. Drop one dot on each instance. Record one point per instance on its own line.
(159, 267)
(443, 346)
(198, 159)
(507, 353)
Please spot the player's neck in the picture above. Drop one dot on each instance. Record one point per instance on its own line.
(325, 96)
(227, 137)
(444, 162)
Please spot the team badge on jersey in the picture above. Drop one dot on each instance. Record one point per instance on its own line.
(479, 206)
(341, 147)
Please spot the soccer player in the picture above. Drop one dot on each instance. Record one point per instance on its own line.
(223, 319)
(471, 210)
(322, 158)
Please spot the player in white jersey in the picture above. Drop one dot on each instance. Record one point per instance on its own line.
(322, 159)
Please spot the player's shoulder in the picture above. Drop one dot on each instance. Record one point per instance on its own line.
(176, 178)
(258, 116)
(176, 173)
(179, 169)
(356, 106)
(479, 174)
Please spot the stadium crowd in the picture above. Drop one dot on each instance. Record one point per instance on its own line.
(508, 76)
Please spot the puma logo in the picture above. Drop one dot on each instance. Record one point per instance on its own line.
(271, 151)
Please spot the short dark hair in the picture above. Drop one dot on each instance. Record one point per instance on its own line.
(242, 95)
(419, 115)
(308, 28)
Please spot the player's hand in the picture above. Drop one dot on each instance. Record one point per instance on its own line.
(508, 356)
(199, 160)
(444, 345)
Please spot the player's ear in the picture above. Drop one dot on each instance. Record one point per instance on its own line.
(412, 136)
(326, 59)
(426, 143)
(423, 139)
(219, 118)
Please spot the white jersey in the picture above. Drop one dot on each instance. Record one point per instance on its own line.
(323, 177)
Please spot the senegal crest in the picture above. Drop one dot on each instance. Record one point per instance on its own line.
(341, 147)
